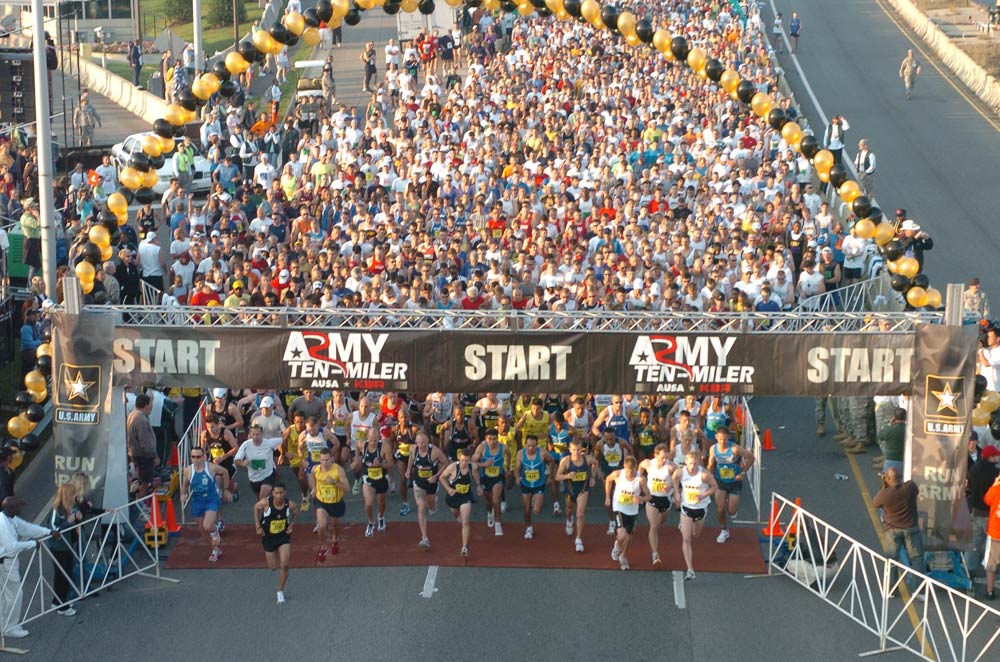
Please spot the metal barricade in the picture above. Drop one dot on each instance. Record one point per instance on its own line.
(190, 439)
(751, 441)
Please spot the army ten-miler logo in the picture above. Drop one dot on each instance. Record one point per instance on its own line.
(944, 406)
(78, 394)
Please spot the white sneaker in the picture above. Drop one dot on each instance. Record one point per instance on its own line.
(16, 633)
(611, 528)
(689, 575)
(529, 533)
(490, 520)
(68, 611)
(616, 552)
(281, 598)
(579, 545)
(503, 506)
(569, 526)
(425, 543)
(623, 563)
(497, 530)
(555, 508)
(723, 536)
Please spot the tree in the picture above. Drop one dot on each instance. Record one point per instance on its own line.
(220, 12)
(178, 11)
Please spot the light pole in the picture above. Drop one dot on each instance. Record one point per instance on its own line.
(46, 201)
(236, 27)
(199, 56)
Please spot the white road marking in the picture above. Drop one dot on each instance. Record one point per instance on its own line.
(679, 599)
(429, 590)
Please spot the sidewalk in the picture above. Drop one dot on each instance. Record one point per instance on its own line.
(116, 122)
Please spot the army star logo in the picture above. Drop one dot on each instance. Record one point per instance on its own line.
(78, 388)
(946, 398)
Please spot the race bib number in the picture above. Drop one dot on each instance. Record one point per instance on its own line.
(727, 473)
(645, 439)
(462, 488)
(626, 498)
(613, 459)
(277, 526)
(327, 493)
(374, 473)
(492, 472)
(579, 476)
(216, 453)
(258, 465)
(692, 495)
(532, 475)
(360, 435)
(314, 455)
(658, 485)
(425, 473)
(404, 450)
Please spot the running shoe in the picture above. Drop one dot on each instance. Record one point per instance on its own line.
(370, 530)
(430, 512)
(490, 520)
(569, 526)
(305, 504)
(216, 553)
(689, 575)
(465, 551)
(335, 547)
(579, 545)
(381, 525)
(529, 533)
(425, 543)
(281, 597)
(498, 530)
(220, 525)
(404, 510)
(393, 488)
(356, 490)
(656, 559)
(616, 552)
(723, 536)
(503, 506)
(555, 508)
(611, 528)
(623, 563)
(321, 555)
(68, 610)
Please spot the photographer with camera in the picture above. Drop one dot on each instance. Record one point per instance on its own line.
(898, 501)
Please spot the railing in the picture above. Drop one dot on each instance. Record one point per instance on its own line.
(534, 320)
(190, 439)
(149, 295)
(866, 295)
(106, 550)
(929, 619)
(751, 441)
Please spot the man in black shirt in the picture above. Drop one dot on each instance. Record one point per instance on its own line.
(981, 477)
(898, 501)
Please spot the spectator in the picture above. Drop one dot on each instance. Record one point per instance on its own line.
(65, 515)
(974, 301)
(16, 536)
(898, 501)
(141, 442)
(982, 475)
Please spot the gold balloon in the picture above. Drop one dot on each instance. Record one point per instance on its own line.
(823, 160)
(626, 23)
(45, 349)
(791, 132)
(697, 58)
(87, 288)
(117, 204)
(199, 90)
(563, 15)
(341, 7)
(980, 417)
(661, 40)
(167, 144)
(236, 64)
(884, 233)
(122, 219)
(525, 9)
(909, 267)
(40, 396)
(893, 266)
(456, 3)
(335, 22)
(35, 380)
(823, 176)
(295, 23)
(263, 41)
(633, 40)
(916, 296)
(730, 79)
(310, 37)
(555, 5)
(18, 456)
(151, 145)
(410, 6)
(849, 190)
(107, 252)
(590, 10)
(934, 301)
(18, 426)
(365, 4)
(85, 272)
(130, 179)
(761, 104)
(990, 400)
(150, 178)
(865, 228)
(176, 114)
(99, 235)
(211, 81)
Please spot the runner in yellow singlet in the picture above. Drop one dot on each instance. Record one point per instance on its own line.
(327, 485)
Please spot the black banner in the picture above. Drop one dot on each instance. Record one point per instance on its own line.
(940, 417)
(81, 385)
(537, 362)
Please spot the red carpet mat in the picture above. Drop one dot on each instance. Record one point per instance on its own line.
(550, 548)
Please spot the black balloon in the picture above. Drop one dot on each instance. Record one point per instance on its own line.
(107, 218)
(144, 196)
(745, 91)
(573, 7)
(777, 118)
(163, 128)
(353, 16)
(893, 250)
(23, 400)
(809, 145)
(139, 161)
(292, 40)
(228, 88)
(30, 442)
(714, 70)
(539, 4)
(311, 18)
(609, 16)
(179, 131)
(157, 162)
(390, 7)
(900, 283)
(11, 444)
(427, 7)
(679, 47)
(838, 175)
(861, 206)
(280, 33)
(35, 412)
(126, 193)
(921, 280)
(247, 50)
(508, 6)
(875, 214)
(995, 425)
(219, 69)
(980, 386)
(545, 12)
(324, 10)
(110, 225)
(91, 252)
(644, 30)
(44, 365)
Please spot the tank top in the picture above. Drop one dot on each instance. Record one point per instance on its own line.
(360, 428)
(532, 469)
(371, 460)
(203, 484)
(552, 404)
(425, 467)
(338, 419)
(560, 439)
(658, 479)
(217, 446)
(612, 455)
(389, 413)
(618, 423)
(727, 463)
(404, 440)
(468, 402)
(293, 446)
(314, 443)
(644, 434)
(713, 421)
(536, 426)
(494, 461)
(327, 492)
(626, 495)
(274, 520)
(461, 483)
(693, 489)
(579, 473)
(580, 425)
(224, 416)
(490, 415)
(459, 436)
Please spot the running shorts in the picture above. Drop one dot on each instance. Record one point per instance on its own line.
(623, 521)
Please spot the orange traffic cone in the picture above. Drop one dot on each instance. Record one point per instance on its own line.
(155, 520)
(773, 528)
(739, 415)
(174, 458)
(767, 444)
(173, 528)
(793, 527)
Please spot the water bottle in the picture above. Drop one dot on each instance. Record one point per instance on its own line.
(840, 476)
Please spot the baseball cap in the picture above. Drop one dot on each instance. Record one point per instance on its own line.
(990, 452)
(317, 285)
(284, 276)
(237, 284)
(218, 393)
(150, 236)
(267, 402)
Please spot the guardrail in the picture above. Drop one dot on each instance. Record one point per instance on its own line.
(750, 440)
(188, 440)
(857, 297)
(149, 295)
(929, 619)
(106, 549)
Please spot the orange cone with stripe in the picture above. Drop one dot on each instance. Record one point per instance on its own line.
(173, 528)
(155, 520)
(773, 528)
(767, 444)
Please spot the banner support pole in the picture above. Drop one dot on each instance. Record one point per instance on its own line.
(953, 304)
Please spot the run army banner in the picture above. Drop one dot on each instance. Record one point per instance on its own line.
(939, 419)
(81, 397)
(537, 362)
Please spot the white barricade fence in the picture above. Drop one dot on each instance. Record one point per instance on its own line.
(190, 439)
(105, 549)
(751, 441)
(904, 608)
